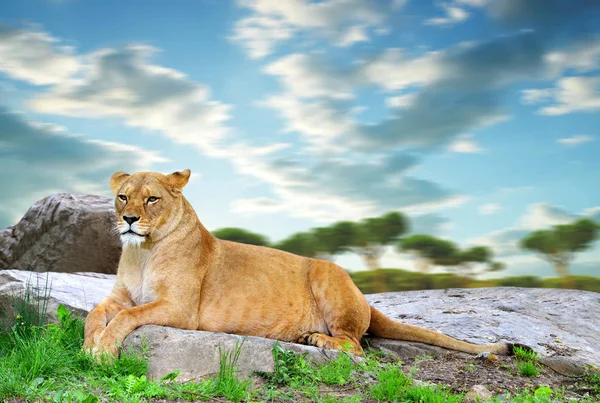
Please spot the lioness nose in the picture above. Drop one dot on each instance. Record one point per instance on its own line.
(130, 220)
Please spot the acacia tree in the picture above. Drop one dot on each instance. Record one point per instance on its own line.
(496, 266)
(468, 258)
(372, 235)
(559, 244)
(429, 251)
(301, 243)
(241, 235)
(335, 239)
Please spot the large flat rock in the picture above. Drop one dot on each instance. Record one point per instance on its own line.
(562, 325)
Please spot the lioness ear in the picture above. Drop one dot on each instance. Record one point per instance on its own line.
(117, 180)
(179, 179)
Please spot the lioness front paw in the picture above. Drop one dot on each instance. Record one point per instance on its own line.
(105, 353)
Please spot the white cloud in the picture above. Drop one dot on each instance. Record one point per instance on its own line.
(584, 57)
(489, 208)
(575, 140)
(257, 205)
(353, 35)
(536, 96)
(322, 123)
(427, 207)
(544, 215)
(465, 144)
(338, 189)
(575, 94)
(124, 84)
(472, 3)
(308, 76)
(401, 101)
(260, 34)
(35, 56)
(392, 70)
(40, 159)
(454, 15)
(342, 22)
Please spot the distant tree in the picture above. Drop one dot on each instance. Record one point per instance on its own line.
(468, 258)
(301, 243)
(241, 235)
(559, 244)
(335, 239)
(374, 234)
(429, 251)
(496, 267)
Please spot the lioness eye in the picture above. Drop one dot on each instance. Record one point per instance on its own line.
(152, 199)
(123, 197)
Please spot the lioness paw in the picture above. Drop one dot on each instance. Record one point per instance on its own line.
(312, 339)
(105, 354)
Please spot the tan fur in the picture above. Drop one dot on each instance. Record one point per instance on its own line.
(181, 276)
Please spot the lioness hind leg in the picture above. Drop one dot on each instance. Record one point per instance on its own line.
(321, 340)
(342, 307)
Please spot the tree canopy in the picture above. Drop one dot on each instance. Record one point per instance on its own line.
(241, 235)
(374, 234)
(301, 243)
(429, 250)
(559, 244)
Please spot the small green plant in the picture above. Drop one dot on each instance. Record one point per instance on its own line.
(526, 361)
(525, 354)
(593, 379)
(543, 394)
(227, 382)
(337, 372)
(527, 368)
(391, 382)
(427, 394)
(27, 307)
(290, 369)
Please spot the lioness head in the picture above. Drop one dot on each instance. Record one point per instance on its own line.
(147, 204)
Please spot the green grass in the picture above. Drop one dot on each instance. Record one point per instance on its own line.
(391, 382)
(526, 362)
(45, 362)
(525, 354)
(527, 368)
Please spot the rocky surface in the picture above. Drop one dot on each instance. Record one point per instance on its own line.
(197, 354)
(57, 232)
(79, 292)
(562, 325)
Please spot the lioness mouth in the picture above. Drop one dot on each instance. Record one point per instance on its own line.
(133, 232)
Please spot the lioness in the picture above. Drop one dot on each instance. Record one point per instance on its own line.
(173, 272)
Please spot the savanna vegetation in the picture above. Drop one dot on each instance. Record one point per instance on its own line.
(461, 266)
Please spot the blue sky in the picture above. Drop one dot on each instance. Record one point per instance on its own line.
(478, 118)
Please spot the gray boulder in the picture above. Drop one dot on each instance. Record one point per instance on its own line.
(562, 325)
(198, 354)
(63, 233)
